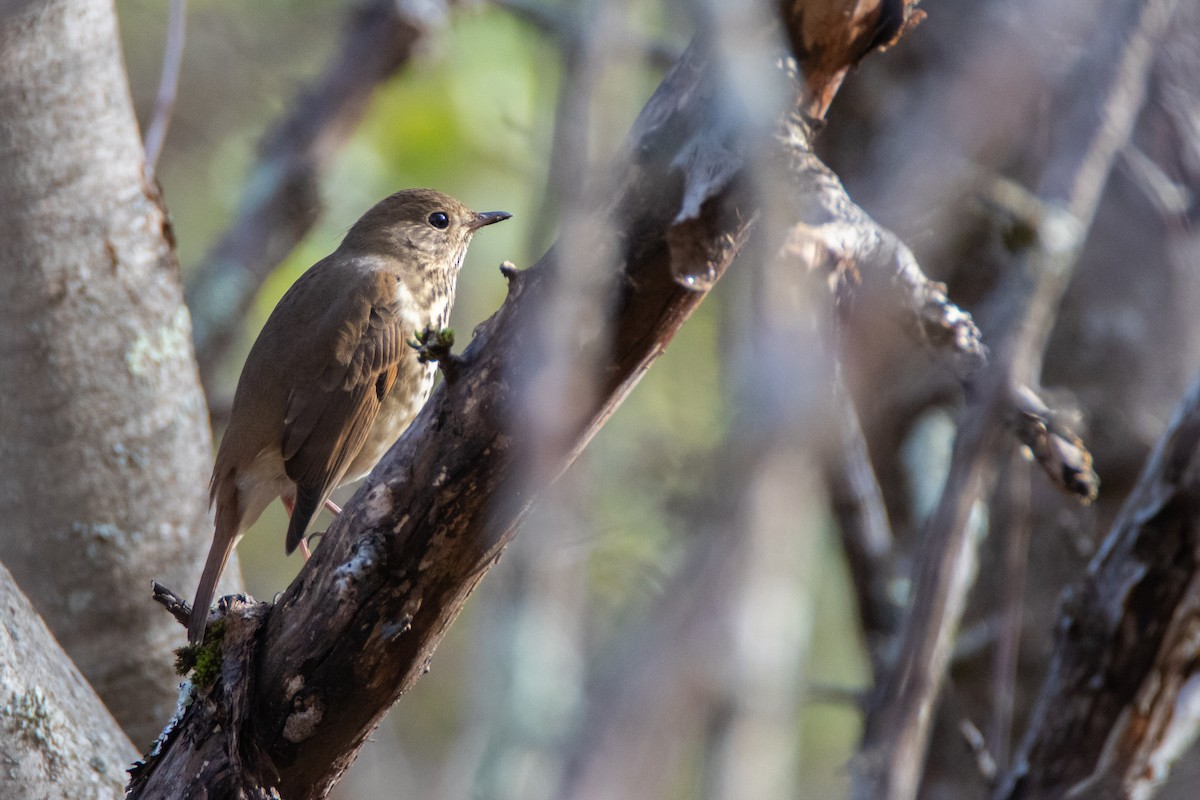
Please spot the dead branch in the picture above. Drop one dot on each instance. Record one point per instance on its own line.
(1117, 705)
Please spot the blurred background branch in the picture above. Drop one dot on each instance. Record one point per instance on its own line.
(168, 86)
(899, 720)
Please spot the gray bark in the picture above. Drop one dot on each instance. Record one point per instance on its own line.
(56, 738)
(104, 440)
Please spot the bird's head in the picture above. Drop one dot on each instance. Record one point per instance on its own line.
(427, 226)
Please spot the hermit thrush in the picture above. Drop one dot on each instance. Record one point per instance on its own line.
(331, 382)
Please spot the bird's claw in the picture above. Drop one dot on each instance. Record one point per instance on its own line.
(434, 346)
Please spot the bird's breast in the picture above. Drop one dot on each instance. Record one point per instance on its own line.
(401, 405)
(425, 306)
(428, 306)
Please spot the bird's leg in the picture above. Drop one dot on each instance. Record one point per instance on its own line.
(434, 345)
(333, 507)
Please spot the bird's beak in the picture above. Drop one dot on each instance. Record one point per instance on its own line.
(487, 218)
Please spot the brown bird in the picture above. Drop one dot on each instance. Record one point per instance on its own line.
(331, 382)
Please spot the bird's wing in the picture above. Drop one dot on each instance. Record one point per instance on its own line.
(328, 419)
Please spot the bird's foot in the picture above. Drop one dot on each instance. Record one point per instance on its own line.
(312, 537)
(434, 345)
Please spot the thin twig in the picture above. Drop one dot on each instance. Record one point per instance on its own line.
(866, 535)
(1057, 450)
(176, 605)
(168, 87)
(984, 758)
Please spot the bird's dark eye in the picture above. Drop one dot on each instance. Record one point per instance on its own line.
(439, 220)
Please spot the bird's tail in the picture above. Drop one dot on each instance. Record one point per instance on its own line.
(224, 538)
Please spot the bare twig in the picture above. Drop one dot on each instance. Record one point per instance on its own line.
(838, 237)
(281, 202)
(834, 235)
(984, 759)
(865, 532)
(855, 250)
(1056, 449)
(173, 603)
(1170, 198)
(168, 87)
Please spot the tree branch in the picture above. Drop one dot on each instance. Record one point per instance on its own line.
(866, 534)
(1117, 705)
(105, 435)
(168, 87)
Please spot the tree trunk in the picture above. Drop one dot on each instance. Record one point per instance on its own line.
(106, 447)
(58, 739)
